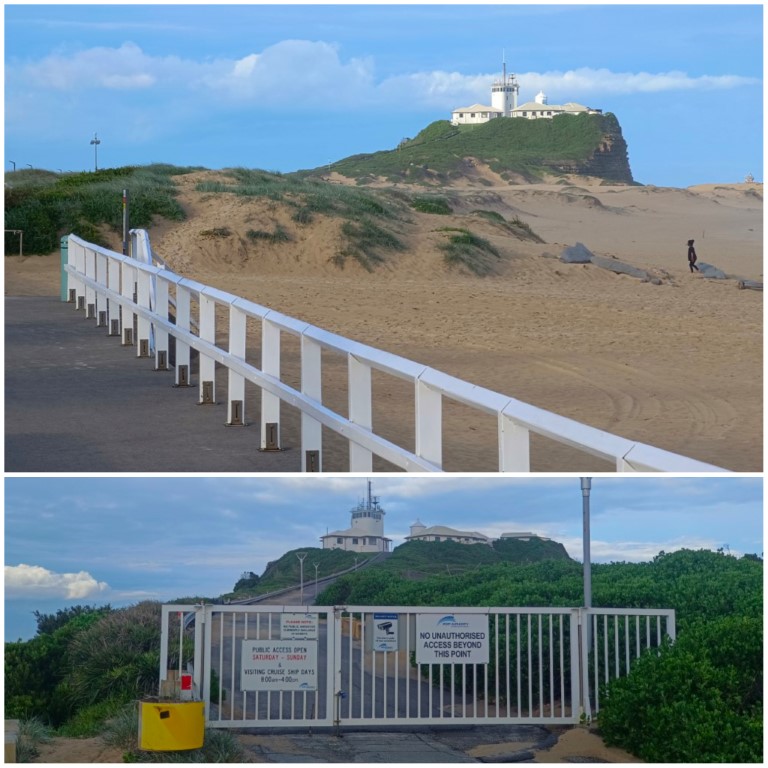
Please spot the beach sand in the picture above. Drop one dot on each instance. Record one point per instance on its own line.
(676, 365)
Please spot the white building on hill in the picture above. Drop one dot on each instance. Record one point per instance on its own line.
(504, 104)
(366, 533)
(420, 532)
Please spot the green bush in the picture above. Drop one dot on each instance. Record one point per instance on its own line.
(436, 205)
(117, 658)
(697, 700)
(47, 206)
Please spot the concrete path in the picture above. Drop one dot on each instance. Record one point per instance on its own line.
(77, 401)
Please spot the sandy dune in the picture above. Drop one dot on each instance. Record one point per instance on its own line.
(676, 365)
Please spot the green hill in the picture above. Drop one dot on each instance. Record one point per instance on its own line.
(286, 570)
(584, 144)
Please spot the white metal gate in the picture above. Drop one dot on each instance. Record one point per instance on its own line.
(291, 666)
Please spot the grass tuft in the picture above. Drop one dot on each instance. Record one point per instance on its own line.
(436, 205)
(468, 250)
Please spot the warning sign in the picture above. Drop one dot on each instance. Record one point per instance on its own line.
(298, 626)
(279, 665)
(451, 638)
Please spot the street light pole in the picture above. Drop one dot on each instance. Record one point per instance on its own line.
(317, 565)
(13, 164)
(586, 486)
(95, 141)
(301, 556)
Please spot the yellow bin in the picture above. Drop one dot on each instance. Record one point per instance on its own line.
(170, 726)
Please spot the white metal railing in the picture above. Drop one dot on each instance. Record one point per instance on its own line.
(405, 665)
(113, 289)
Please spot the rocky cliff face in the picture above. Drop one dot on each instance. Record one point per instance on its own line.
(609, 161)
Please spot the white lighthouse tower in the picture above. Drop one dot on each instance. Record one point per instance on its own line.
(504, 93)
(366, 534)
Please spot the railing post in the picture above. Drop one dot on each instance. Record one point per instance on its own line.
(207, 385)
(161, 335)
(360, 411)
(429, 423)
(236, 384)
(514, 446)
(143, 287)
(270, 404)
(311, 386)
(127, 273)
(113, 307)
(90, 293)
(101, 279)
(183, 374)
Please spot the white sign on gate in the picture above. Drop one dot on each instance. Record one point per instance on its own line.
(460, 638)
(279, 665)
(385, 631)
(298, 626)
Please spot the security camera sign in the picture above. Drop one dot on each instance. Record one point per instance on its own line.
(278, 665)
(460, 638)
(384, 631)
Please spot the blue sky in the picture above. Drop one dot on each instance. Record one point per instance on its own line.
(285, 87)
(121, 540)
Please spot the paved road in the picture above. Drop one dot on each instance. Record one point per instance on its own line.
(468, 744)
(77, 401)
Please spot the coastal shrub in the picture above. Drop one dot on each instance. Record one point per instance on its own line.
(436, 205)
(216, 232)
(117, 657)
(36, 670)
(697, 700)
(88, 721)
(47, 206)
(32, 733)
(279, 235)
(365, 241)
(467, 249)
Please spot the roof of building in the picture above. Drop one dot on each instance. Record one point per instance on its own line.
(534, 106)
(443, 530)
(356, 532)
(477, 108)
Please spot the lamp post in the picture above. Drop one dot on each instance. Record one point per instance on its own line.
(95, 141)
(586, 486)
(13, 163)
(317, 565)
(301, 556)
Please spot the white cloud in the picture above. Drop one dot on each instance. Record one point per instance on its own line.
(34, 581)
(310, 74)
(586, 81)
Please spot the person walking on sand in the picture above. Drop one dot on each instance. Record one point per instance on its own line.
(692, 256)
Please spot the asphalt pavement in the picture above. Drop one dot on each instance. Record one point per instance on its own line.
(467, 744)
(76, 400)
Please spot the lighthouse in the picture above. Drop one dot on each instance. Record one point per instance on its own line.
(504, 93)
